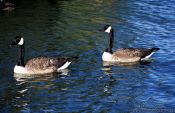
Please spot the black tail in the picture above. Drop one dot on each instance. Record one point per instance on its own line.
(72, 58)
(155, 49)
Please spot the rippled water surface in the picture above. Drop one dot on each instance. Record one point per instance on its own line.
(70, 28)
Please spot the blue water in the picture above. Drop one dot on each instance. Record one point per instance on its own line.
(71, 27)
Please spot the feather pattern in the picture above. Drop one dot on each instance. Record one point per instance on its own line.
(46, 63)
(132, 52)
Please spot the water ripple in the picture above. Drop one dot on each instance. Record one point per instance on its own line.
(69, 28)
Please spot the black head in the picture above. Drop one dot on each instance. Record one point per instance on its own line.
(107, 28)
(19, 40)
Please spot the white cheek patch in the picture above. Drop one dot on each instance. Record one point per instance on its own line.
(108, 29)
(21, 42)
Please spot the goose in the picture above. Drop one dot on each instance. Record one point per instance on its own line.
(39, 65)
(125, 55)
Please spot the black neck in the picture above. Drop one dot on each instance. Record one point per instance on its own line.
(111, 41)
(21, 56)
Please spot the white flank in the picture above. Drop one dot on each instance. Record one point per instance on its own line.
(19, 69)
(21, 42)
(147, 57)
(64, 66)
(107, 56)
(108, 30)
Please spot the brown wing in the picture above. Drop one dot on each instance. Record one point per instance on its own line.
(43, 63)
(132, 52)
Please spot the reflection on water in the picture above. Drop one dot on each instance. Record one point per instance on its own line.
(34, 85)
(128, 64)
(42, 77)
(70, 28)
(108, 65)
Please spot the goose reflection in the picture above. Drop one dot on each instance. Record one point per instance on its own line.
(108, 65)
(37, 85)
(107, 68)
(112, 75)
(39, 78)
(109, 84)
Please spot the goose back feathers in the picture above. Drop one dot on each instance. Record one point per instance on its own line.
(134, 52)
(47, 63)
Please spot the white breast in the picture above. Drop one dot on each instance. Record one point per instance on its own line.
(20, 69)
(107, 56)
(64, 66)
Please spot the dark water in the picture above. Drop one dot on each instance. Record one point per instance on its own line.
(69, 28)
